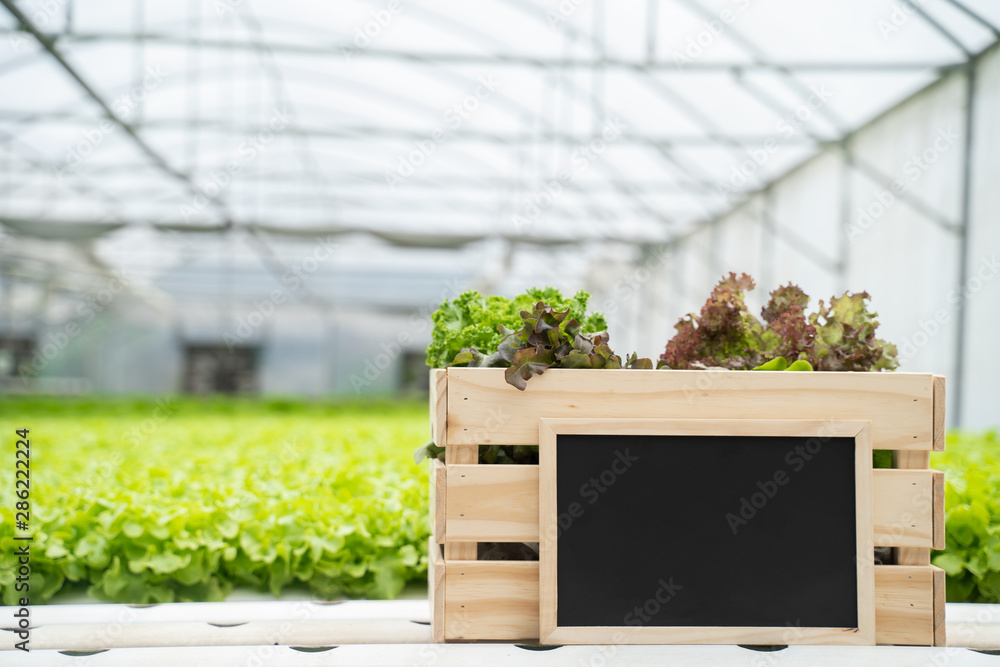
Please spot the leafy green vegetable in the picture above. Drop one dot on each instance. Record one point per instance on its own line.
(839, 337)
(881, 458)
(428, 450)
(724, 334)
(142, 501)
(548, 339)
(781, 364)
(971, 558)
(776, 364)
(800, 365)
(474, 321)
(845, 337)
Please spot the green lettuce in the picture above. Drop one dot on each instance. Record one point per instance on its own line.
(474, 321)
(138, 503)
(971, 559)
(547, 339)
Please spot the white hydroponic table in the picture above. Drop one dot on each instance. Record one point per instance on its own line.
(375, 633)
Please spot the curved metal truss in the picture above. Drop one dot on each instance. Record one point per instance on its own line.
(536, 123)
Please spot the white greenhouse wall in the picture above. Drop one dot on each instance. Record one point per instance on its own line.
(809, 230)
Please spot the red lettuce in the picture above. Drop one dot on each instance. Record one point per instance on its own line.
(839, 337)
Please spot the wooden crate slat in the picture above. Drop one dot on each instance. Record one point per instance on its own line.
(904, 605)
(500, 504)
(439, 406)
(439, 500)
(493, 503)
(455, 550)
(913, 556)
(939, 420)
(938, 499)
(904, 506)
(920, 460)
(491, 600)
(467, 453)
(461, 550)
(435, 589)
(483, 409)
(498, 600)
(911, 460)
(940, 636)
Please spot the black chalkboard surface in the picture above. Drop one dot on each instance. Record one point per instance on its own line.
(680, 530)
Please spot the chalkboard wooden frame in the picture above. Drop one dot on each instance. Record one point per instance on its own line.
(552, 633)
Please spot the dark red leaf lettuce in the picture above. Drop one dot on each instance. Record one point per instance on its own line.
(839, 337)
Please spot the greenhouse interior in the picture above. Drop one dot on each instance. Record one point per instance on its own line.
(244, 245)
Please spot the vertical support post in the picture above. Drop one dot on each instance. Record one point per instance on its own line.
(599, 45)
(652, 22)
(713, 250)
(769, 234)
(465, 454)
(920, 460)
(138, 53)
(963, 241)
(846, 170)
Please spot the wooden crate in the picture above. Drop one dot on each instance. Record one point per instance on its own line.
(498, 600)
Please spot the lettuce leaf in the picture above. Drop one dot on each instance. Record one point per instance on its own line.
(548, 338)
(838, 337)
(474, 321)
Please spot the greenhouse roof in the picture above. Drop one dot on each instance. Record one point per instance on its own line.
(439, 125)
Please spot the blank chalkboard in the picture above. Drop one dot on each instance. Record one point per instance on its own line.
(752, 531)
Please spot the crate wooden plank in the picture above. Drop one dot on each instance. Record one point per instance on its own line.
(904, 507)
(439, 406)
(940, 635)
(493, 503)
(491, 600)
(483, 409)
(435, 589)
(455, 550)
(939, 420)
(461, 550)
(864, 530)
(465, 453)
(938, 509)
(439, 500)
(500, 504)
(911, 459)
(904, 605)
(919, 460)
(712, 635)
(913, 556)
(499, 600)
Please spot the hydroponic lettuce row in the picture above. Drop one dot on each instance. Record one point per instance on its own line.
(837, 337)
(143, 502)
(472, 320)
(971, 559)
